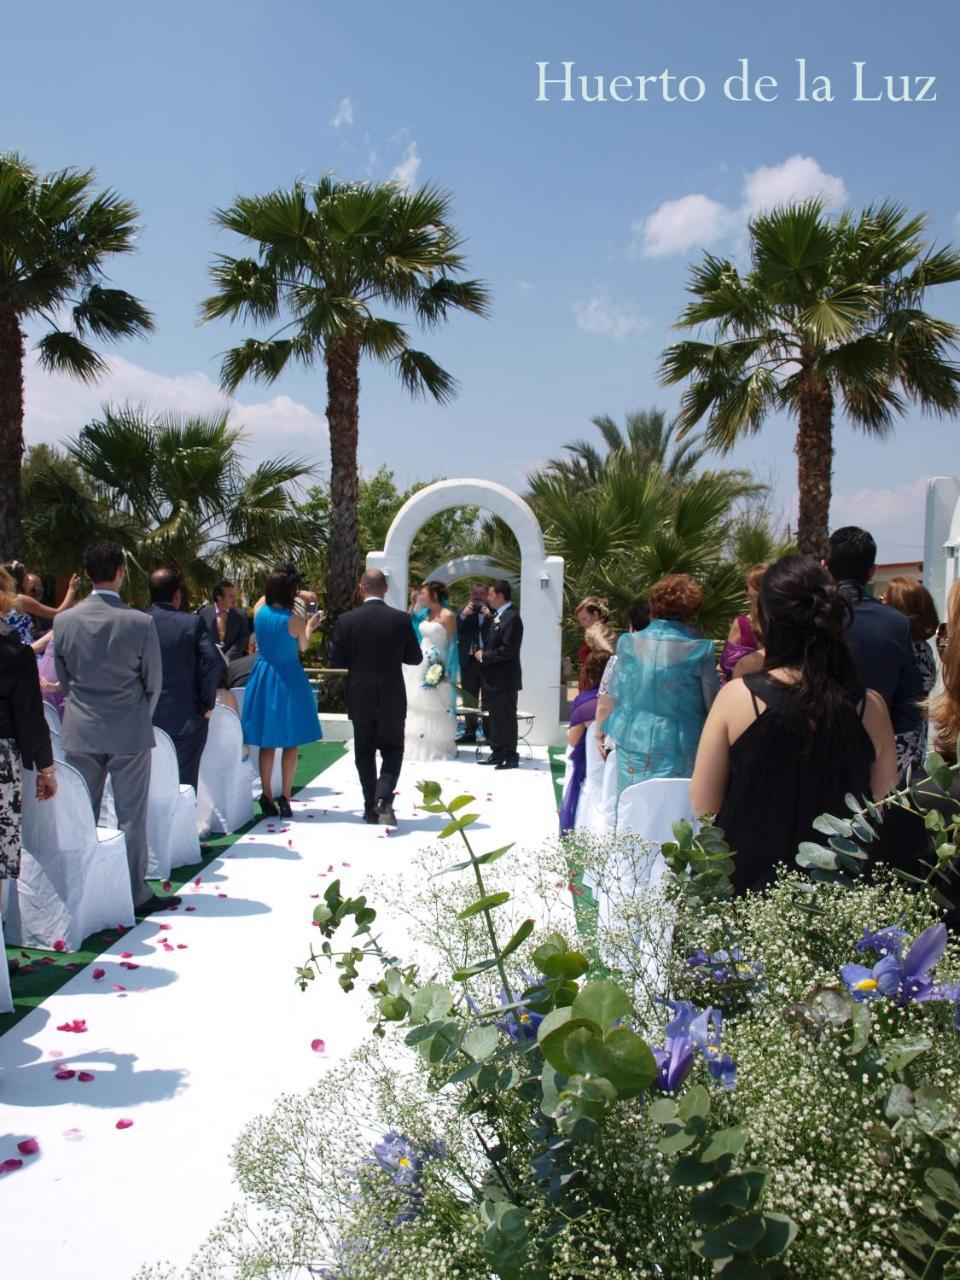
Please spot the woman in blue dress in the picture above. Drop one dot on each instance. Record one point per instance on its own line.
(279, 706)
(662, 687)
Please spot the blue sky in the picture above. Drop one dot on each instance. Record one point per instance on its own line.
(582, 217)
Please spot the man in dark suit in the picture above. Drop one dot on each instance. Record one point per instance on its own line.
(473, 628)
(228, 626)
(373, 643)
(878, 635)
(191, 673)
(502, 677)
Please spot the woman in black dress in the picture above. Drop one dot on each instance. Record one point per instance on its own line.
(788, 743)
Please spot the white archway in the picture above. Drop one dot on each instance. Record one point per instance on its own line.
(541, 584)
(472, 566)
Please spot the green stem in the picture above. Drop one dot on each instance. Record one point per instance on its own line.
(491, 931)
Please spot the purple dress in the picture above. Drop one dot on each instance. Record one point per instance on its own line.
(47, 671)
(732, 653)
(583, 711)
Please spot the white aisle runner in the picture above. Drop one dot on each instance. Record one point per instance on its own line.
(207, 1030)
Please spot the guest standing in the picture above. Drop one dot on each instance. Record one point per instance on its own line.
(742, 642)
(473, 627)
(502, 677)
(914, 601)
(582, 714)
(374, 643)
(662, 687)
(279, 706)
(192, 667)
(109, 665)
(228, 626)
(782, 746)
(24, 608)
(879, 638)
(638, 618)
(24, 738)
(591, 612)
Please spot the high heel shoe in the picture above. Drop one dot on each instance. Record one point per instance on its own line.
(283, 803)
(267, 808)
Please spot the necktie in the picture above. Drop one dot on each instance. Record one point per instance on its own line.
(221, 625)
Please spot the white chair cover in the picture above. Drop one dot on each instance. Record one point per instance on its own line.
(608, 791)
(56, 743)
(590, 812)
(6, 999)
(649, 809)
(74, 878)
(224, 797)
(171, 813)
(52, 717)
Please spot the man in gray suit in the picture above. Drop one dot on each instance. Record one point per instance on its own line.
(108, 661)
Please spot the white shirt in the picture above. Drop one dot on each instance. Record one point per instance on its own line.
(105, 591)
(503, 608)
(374, 600)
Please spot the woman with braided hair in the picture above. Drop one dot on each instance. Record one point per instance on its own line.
(788, 743)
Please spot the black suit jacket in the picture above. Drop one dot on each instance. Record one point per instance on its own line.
(883, 651)
(373, 643)
(472, 634)
(501, 657)
(191, 670)
(237, 635)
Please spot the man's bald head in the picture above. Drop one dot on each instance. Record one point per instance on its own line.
(373, 583)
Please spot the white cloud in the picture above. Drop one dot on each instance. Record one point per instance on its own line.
(799, 178)
(527, 286)
(696, 220)
(343, 114)
(601, 316)
(405, 173)
(894, 516)
(692, 221)
(57, 407)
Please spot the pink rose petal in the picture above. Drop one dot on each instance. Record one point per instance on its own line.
(8, 1166)
(59, 945)
(73, 1135)
(318, 1046)
(64, 1073)
(128, 964)
(181, 946)
(98, 974)
(56, 1053)
(126, 955)
(197, 883)
(72, 965)
(86, 1076)
(221, 895)
(165, 927)
(166, 886)
(29, 1147)
(345, 864)
(190, 908)
(124, 1124)
(118, 987)
(78, 1025)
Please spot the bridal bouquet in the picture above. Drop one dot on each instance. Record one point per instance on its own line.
(435, 671)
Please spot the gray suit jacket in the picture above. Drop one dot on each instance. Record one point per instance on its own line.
(108, 661)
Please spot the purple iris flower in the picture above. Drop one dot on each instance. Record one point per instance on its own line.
(691, 1032)
(888, 941)
(898, 976)
(398, 1156)
(723, 967)
(519, 1024)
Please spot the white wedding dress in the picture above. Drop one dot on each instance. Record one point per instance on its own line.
(431, 732)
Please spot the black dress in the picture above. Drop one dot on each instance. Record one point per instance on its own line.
(779, 783)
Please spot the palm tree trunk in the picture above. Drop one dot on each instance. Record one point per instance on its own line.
(343, 397)
(11, 431)
(814, 450)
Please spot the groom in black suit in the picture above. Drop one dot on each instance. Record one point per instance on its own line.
(373, 643)
(502, 678)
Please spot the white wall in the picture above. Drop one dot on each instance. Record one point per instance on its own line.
(941, 527)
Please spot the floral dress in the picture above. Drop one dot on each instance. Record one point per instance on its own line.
(22, 623)
(912, 745)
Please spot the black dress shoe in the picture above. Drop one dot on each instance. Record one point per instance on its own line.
(489, 760)
(508, 764)
(385, 815)
(156, 903)
(371, 816)
(268, 808)
(283, 804)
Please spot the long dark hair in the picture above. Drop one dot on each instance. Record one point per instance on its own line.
(803, 615)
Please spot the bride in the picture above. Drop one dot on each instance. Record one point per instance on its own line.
(431, 732)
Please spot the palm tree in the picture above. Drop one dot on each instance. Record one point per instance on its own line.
(55, 235)
(648, 437)
(326, 256)
(631, 525)
(173, 491)
(830, 311)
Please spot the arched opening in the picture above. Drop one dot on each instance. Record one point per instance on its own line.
(541, 583)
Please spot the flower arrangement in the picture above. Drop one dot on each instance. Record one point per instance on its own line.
(435, 671)
(697, 1085)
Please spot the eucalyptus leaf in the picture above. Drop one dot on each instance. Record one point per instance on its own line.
(481, 1042)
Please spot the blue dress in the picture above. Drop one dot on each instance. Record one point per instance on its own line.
(662, 687)
(279, 707)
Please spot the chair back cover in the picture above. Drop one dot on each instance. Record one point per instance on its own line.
(52, 717)
(65, 821)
